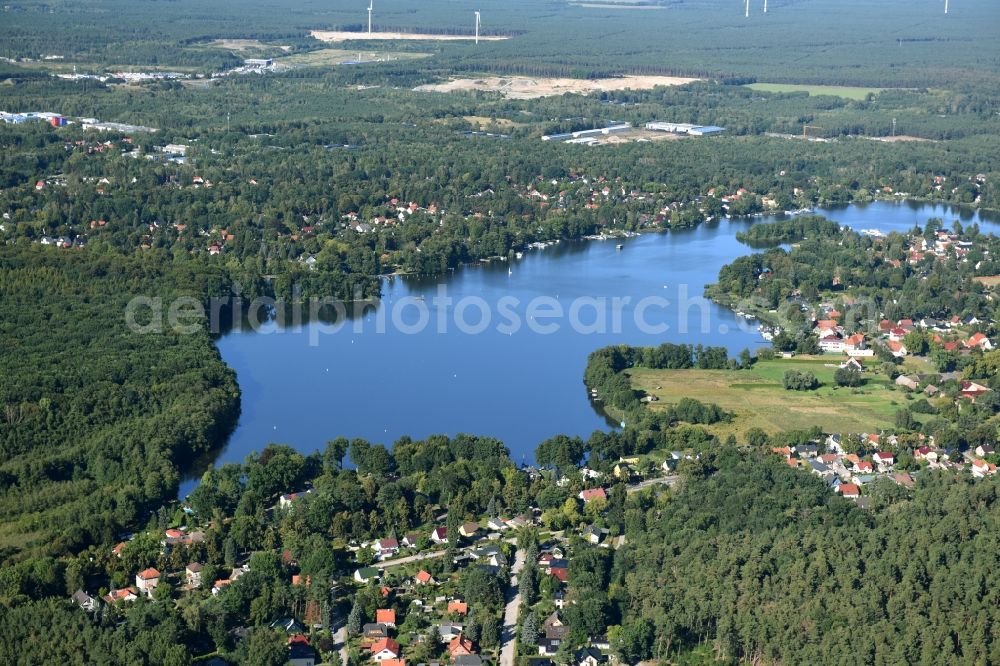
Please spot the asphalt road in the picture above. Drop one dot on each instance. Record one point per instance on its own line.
(511, 612)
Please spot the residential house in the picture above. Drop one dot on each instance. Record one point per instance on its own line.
(374, 631)
(984, 450)
(898, 349)
(553, 620)
(979, 341)
(981, 468)
(593, 494)
(85, 601)
(468, 530)
(548, 647)
(600, 642)
(301, 654)
(386, 616)
(594, 534)
(972, 390)
(439, 535)
(456, 607)
(623, 470)
(424, 578)
(496, 524)
(147, 580)
(123, 594)
(366, 574)
(831, 344)
(385, 649)
(819, 468)
(864, 467)
(903, 479)
(192, 574)
(884, 459)
(849, 491)
(220, 585)
(448, 631)
(854, 343)
(461, 646)
(411, 540)
(467, 660)
(807, 450)
(288, 625)
(926, 453)
(853, 363)
(286, 500)
(589, 657)
(387, 548)
(907, 382)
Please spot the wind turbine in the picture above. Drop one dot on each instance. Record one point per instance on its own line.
(765, 6)
(477, 27)
(371, 3)
(748, 9)
(945, 6)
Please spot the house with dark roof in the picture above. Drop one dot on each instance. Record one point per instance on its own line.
(85, 601)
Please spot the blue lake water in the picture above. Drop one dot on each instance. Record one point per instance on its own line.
(521, 378)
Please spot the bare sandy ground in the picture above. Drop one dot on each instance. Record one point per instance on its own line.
(899, 138)
(525, 88)
(340, 36)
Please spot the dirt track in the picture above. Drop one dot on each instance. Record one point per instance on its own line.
(525, 88)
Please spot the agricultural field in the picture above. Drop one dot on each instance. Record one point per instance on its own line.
(759, 400)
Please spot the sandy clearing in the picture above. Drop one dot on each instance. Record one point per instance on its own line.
(525, 88)
(899, 138)
(342, 36)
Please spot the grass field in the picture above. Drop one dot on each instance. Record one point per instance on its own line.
(847, 92)
(759, 400)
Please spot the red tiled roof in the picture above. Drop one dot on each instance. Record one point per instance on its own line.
(385, 644)
(849, 490)
(592, 494)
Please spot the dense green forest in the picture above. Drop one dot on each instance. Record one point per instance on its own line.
(767, 563)
(97, 420)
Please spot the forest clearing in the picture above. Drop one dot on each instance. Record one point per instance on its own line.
(533, 88)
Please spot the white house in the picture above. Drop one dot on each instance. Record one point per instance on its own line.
(147, 580)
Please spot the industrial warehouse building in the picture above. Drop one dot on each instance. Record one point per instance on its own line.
(584, 134)
(685, 128)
